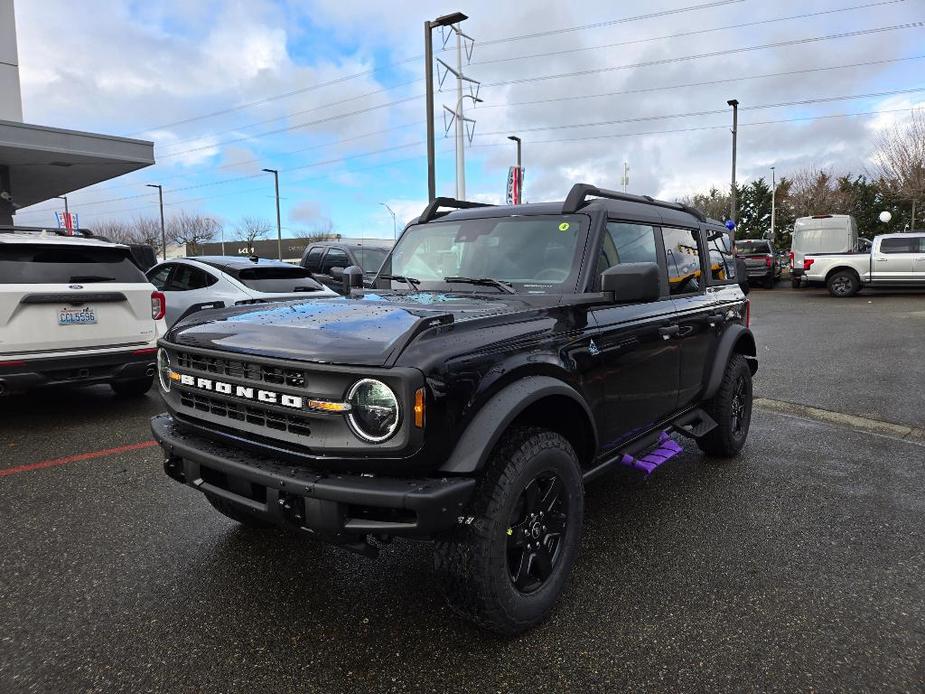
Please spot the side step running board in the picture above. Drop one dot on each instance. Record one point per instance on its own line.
(667, 449)
(694, 424)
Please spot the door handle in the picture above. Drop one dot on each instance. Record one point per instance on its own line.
(668, 331)
(715, 318)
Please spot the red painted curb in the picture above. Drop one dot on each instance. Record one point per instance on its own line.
(55, 462)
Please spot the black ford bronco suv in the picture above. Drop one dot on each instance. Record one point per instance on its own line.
(503, 358)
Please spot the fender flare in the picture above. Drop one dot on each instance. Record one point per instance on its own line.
(487, 426)
(734, 336)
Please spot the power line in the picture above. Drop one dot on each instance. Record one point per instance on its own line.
(711, 54)
(694, 32)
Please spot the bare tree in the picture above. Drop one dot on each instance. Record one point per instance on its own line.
(148, 230)
(322, 231)
(713, 204)
(900, 160)
(814, 191)
(116, 231)
(192, 230)
(250, 229)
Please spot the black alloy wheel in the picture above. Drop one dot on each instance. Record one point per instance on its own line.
(534, 540)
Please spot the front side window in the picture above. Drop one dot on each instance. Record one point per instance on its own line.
(535, 254)
(721, 254)
(898, 245)
(46, 263)
(334, 258)
(370, 259)
(682, 251)
(627, 243)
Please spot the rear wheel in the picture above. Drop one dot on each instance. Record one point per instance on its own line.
(506, 569)
(136, 386)
(731, 408)
(238, 513)
(795, 282)
(844, 283)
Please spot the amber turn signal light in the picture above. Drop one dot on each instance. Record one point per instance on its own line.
(419, 408)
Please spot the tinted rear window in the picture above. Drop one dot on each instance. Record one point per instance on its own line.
(752, 247)
(278, 279)
(66, 264)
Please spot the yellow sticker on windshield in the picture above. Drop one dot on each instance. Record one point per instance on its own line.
(564, 226)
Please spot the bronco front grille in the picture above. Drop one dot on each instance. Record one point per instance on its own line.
(244, 412)
(238, 368)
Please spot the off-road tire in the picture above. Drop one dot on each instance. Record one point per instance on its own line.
(843, 284)
(237, 513)
(473, 561)
(134, 387)
(732, 415)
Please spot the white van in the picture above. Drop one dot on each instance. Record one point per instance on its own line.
(821, 233)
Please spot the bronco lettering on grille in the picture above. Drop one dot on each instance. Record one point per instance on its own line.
(246, 393)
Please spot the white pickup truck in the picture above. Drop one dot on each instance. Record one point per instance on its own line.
(895, 260)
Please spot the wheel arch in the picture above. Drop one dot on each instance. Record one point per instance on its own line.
(532, 400)
(736, 340)
(841, 268)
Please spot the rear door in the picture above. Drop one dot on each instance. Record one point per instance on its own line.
(696, 311)
(893, 260)
(57, 297)
(189, 289)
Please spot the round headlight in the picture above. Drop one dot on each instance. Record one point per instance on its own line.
(163, 369)
(374, 412)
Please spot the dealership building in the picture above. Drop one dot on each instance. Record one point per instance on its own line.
(39, 163)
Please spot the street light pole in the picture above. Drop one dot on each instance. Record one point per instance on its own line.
(160, 196)
(63, 197)
(394, 221)
(279, 226)
(735, 129)
(773, 203)
(429, 26)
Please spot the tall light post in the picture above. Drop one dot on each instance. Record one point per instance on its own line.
(394, 221)
(733, 215)
(63, 197)
(520, 171)
(429, 26)
(773, 203)
(160, 196)
(279, 225)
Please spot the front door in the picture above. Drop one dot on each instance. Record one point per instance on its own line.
(634, 361)
(894, 260)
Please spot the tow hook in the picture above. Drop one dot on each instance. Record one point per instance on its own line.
(173, 466)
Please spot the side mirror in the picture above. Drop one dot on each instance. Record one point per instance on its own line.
(336, 272)
(742, 275)
(352, 278)
(632, 282)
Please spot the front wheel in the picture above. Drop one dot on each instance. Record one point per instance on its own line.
(731, 408)
(507, 568)
(843, 284)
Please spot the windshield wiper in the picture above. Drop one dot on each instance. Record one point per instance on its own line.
(91, 278)
(410, 281)
(484, 281)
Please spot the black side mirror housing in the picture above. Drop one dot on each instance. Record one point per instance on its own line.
(742, 275)
(632, 282)
(352, 278)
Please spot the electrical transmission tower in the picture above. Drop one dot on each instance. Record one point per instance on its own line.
(465, 127)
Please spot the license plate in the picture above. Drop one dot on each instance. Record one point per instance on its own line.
(77, 316)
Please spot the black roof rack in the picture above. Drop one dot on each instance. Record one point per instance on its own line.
(580, 191)
(430, 212)
(15, 229)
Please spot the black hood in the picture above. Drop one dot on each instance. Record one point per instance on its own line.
(370, 330)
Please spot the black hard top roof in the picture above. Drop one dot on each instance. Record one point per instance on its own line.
(582, 198)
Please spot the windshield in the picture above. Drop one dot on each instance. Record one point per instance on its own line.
(278, 279)
(752, 247)
(370, 259)
(43, 263)
(536, 254)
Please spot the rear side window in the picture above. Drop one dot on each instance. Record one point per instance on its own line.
(278, 279)
(721, 255)
(66, 264)
(313, 259)
(335, 258)
(682, 250)
(899, 245)
(186, 278)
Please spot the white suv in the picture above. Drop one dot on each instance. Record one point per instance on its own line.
(75, 310)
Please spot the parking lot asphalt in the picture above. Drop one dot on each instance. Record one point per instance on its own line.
(796, 567)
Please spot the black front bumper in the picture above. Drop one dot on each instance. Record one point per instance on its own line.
(75, 370)
(341, 508)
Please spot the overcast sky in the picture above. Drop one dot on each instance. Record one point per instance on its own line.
(340, 111)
